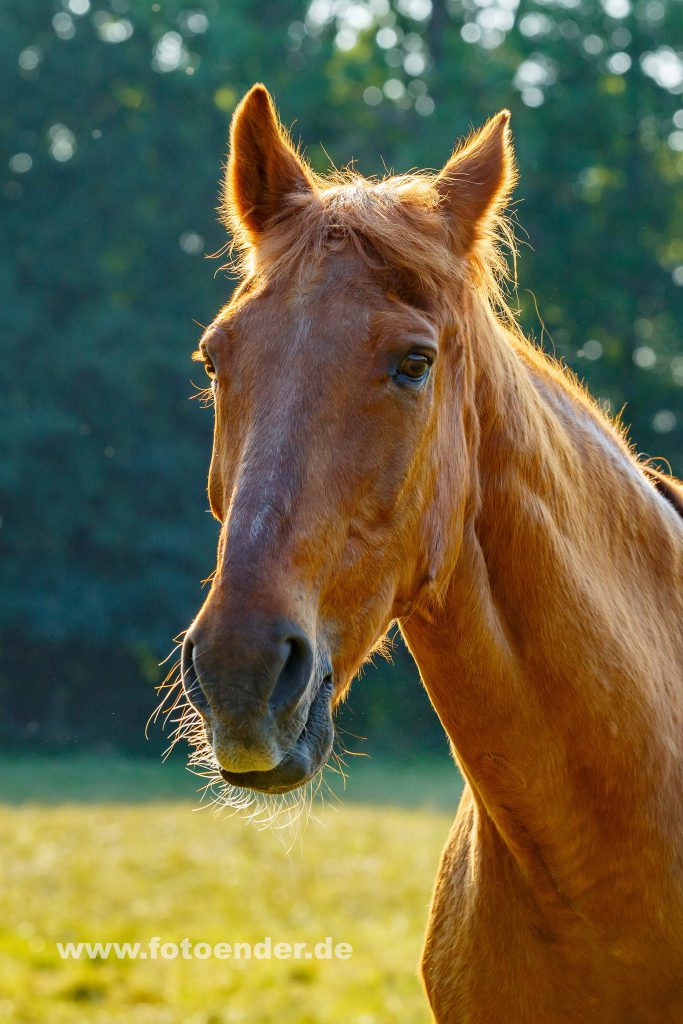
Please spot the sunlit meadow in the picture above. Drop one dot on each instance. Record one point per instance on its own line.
(135, 864)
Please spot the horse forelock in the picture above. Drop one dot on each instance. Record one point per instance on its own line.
(393, 223)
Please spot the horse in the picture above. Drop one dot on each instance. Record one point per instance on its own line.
(390, 448)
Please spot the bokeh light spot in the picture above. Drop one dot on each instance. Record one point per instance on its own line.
(664, 421)
(20, 163)
(191, 243)
(645, 357)
(61, 142)
(225, 98)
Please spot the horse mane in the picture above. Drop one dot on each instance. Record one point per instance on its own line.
(668, 487)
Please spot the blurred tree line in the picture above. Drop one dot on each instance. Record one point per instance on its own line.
(113, 131)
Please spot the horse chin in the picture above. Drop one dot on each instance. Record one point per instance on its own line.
(304, 760)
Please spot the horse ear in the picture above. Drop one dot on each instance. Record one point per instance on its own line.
(477, 181)
(263, 167)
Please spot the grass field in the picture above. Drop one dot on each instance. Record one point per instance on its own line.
(112, 850)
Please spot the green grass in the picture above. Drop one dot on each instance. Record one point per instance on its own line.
(108, 849)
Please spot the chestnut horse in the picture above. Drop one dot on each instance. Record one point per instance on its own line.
(388, 447)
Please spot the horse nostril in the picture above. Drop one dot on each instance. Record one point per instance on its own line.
(295, 674)
(190, 678)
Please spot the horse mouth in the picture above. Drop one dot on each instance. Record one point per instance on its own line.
(306, 757)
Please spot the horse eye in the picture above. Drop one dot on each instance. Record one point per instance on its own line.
(210, 369)
(415, 368)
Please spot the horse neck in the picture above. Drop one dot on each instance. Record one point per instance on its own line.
(551, 654)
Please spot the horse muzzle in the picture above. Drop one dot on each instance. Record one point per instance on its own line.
(266, 703)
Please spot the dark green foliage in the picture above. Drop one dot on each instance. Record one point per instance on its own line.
(112, 132)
